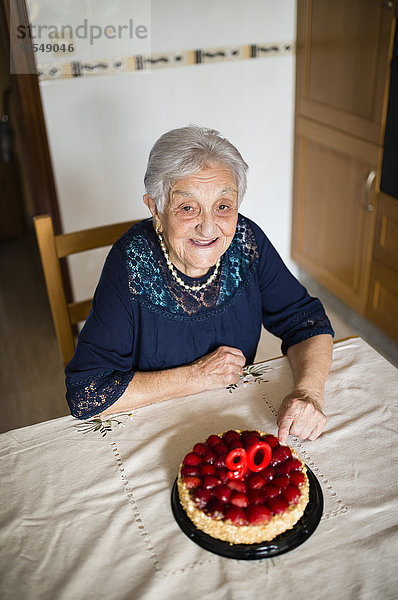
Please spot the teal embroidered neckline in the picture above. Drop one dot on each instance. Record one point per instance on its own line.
(150, 281)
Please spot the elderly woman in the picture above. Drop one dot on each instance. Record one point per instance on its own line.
(182, 296)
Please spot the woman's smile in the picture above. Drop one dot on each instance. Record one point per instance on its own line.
(204, 243)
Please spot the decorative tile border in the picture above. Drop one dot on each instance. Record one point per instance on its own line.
(77, 68)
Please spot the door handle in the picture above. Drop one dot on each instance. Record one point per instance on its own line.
(368, 185)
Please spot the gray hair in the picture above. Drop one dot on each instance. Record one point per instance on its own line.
(180, 153)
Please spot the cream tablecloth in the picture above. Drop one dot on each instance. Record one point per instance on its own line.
(88, 516)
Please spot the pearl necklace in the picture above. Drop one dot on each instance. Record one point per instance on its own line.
(190, 288)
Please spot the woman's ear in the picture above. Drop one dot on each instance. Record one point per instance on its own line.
(150, 203)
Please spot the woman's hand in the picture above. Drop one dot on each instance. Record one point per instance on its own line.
(301, 411)
(301, 415)
(217, 369)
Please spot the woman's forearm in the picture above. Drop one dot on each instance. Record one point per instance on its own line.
(218, 369)
(150, 387)
(301, 411)
(310, 361)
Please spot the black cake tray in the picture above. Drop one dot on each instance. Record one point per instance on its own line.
(284, 542)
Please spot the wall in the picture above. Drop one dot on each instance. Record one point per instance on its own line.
(101, 127)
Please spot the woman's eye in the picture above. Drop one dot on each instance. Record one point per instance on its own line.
(188, 211)
(223, 207)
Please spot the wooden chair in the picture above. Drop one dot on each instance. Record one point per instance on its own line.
(52, 249)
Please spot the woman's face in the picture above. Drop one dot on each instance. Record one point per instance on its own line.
(199, 220)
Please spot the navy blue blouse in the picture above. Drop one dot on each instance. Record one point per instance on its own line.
(143, 320)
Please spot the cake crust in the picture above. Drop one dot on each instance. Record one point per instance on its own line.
(225, 530)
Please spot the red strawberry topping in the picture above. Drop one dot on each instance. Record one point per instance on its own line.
(236, 515)
(270, 491)
(215, 508)
(230, 435)
(256, 482)
(279, 454)
(192, 482)
(256, 497)
(294, 464)
(271, 440)
(201, 497)
(192, 459)
(278, 505)
(210, 481)
(282, 468)
(292, 494)
(222, 475)
(239, 499)
(213, 440)
(220, 462)
(222, 492)
(238, 485)
(287, 453)
(250, 432)
(250, 440)
(297, 478)
(281, 482)
(208, 470)
(209, 458)
(200, 449)
(249, 474)
(258, 515)
(188, 470)
(268, 473)
(221, 448)
(235, 444)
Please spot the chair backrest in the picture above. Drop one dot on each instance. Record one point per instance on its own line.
(55, 247)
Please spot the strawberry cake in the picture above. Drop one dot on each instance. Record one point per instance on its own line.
(243, 487)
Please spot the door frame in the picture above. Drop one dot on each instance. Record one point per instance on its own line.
(30, 117)
(31, 124)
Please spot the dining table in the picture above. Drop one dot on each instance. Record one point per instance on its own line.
(86, 507)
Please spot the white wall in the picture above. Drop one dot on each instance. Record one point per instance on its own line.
(101, 128)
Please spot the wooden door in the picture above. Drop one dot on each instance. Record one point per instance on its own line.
(333, 210)
(382, 306)
(342, 63)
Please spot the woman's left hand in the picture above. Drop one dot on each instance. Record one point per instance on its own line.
(301, 415)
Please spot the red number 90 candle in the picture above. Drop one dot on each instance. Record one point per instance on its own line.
(238, 460)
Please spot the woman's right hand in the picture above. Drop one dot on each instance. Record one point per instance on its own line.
(218, 369)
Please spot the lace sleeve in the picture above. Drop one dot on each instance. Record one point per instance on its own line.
(306, 325)
(88, 397)
(105, 357)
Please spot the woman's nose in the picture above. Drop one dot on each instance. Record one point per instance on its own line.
(207, 226)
